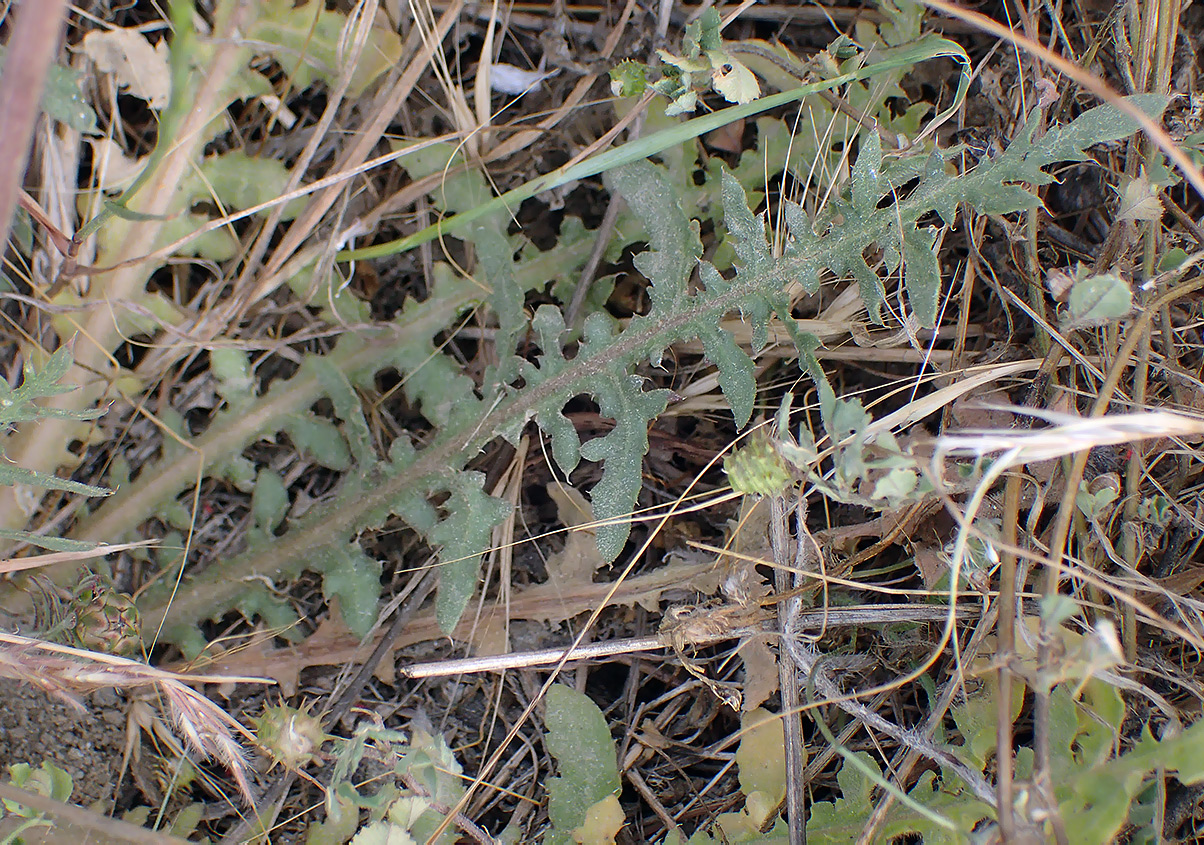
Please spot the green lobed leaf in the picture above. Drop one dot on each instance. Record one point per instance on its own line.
(348, 407)
(17, 404)
(320, 439)
(232, 369)
(622, 398)
(269, 501)
(548, 324)
(462, 536)
(675, 249)
(354, 579)
(607, 360)
(752, 248)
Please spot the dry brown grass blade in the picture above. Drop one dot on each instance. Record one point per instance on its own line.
(63, 671)
(365, 140)
(38, 561)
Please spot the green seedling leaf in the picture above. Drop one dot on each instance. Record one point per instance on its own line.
(1097, 301)
(628, 78)
(761, 759)
(428, 761)
(48, 780)
(22, 232)
(1095, 502)
(580, 799)
(1156, 510)
(896, 487)
(1172, 259)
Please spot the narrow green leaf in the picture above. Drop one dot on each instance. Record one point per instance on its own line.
(10, 475)
(54, 544)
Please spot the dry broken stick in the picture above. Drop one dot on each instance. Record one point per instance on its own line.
(688, 627)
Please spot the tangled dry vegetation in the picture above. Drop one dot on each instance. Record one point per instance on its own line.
(828, 377)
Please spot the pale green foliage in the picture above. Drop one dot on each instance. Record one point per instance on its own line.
(235, 180)
(844, 819)
(1098, 300)
(582, 800)
(607, 364)
(761, 763)
(1096, 786)
(856, 457)
(1093, 784)
(20, 404)
(48, 780)
(373, 488)
(994, 187)
(396, 813)
(705, 63)
(311, 44)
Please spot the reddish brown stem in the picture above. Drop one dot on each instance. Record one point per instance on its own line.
(32, 44)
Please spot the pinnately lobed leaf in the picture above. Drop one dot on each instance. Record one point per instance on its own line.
(606, 364)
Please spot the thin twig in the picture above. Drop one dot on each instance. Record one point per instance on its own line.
(786, 581)
(93, 827)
